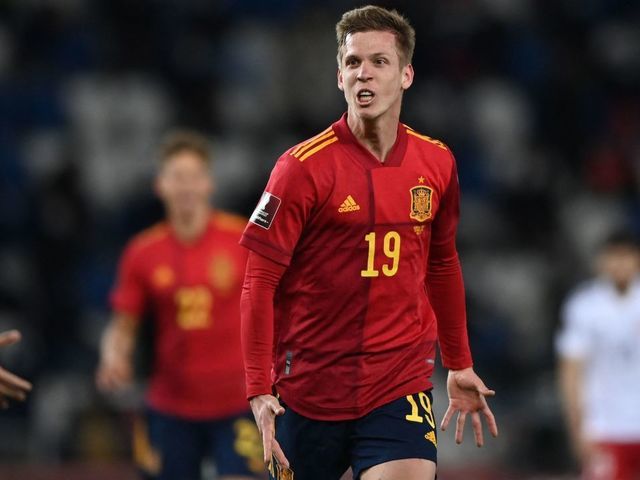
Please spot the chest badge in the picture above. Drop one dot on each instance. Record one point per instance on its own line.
(163, 276)
(222, 272)
(420, 202)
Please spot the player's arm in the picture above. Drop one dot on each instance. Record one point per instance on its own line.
(573, 343)
(466, 390)
(271, 236)
(11, 386)
(115, 370)
(128, 298)
(570, 385)
(256, 305)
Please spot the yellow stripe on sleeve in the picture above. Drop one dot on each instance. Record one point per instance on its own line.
(438, 143)
(310, 140)
(305, 148)
(318, 148)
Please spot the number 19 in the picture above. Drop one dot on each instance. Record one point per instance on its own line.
(414, 416)
(391, 248)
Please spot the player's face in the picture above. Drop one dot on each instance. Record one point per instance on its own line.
(371, 74)
(184, 183)
(620, 264)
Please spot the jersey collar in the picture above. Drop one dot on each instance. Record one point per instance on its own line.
(199, 240)
(394, 159)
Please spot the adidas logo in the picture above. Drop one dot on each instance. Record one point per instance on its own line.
(349, 205)
(431, 436)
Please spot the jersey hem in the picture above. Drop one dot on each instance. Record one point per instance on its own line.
(197, 415)
(351, 413)
(126, 310)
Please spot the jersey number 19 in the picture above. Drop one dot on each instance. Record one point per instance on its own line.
(391, 248)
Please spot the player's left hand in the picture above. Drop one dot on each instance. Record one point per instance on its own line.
(467, 394)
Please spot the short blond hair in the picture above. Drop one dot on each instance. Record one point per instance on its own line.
(178, 141)
(373, 18)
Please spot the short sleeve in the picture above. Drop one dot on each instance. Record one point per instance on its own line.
(129, 293)
(282, 212)
(574, 338)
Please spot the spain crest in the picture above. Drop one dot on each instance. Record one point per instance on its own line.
(222, 272)
(421, 203)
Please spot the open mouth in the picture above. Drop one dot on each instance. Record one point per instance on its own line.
(365, 97)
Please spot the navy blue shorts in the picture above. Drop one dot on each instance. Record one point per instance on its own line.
(174, 448)
(324, 450)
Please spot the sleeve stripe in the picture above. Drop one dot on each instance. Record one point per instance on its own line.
(307, 142)
(314, 141)
(151, 234)
(318, 148)
(427, 139)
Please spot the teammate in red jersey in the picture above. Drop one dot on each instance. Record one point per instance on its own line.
(352, 278)
(187, 272)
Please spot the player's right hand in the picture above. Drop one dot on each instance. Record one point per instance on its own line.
(114, 373)
(265, 408)
(11, 386)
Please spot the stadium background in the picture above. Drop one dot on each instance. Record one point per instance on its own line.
(539, 101)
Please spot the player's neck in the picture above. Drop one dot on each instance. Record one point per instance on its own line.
(377, 135)
(622, 288)
(189, 226)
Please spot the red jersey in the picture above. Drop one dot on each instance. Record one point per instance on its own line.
(363, 242)
(193, 293)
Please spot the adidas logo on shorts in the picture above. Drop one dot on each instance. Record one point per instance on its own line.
(349, 205)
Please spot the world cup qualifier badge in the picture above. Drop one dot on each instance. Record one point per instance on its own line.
(266, 210)
(420, 203)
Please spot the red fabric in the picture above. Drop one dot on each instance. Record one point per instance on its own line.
(192, 292)
(344, 342)
(613, 461)
(260, 283)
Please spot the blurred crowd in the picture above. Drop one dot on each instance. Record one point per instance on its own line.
(538, 99)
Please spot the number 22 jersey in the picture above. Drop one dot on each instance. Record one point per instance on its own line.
(192, 291)
(372, 271)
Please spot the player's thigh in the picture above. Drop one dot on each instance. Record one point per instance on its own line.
(237, 448)
(316, 450)
(348, 475)
(180, 446)
(396, 439)
(407, 469)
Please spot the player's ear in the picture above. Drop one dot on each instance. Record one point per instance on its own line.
(340, 82)
(407, 76)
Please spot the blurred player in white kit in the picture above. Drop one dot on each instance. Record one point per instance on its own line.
(599, 364)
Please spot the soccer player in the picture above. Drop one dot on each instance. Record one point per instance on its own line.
(11, 386)
(599, 364)
(353, 277)
(187, 273)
